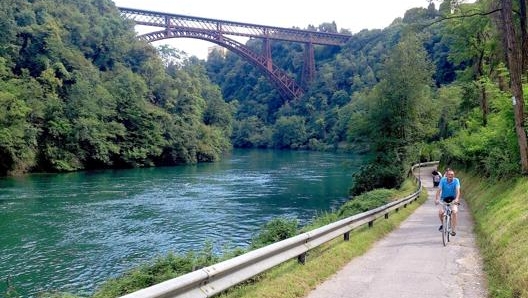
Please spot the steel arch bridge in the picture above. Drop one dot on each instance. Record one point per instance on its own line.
(217, 31)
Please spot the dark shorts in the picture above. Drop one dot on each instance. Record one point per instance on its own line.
(448, 199)
(454, 207)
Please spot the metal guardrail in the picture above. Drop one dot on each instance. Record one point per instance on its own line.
(216, 278)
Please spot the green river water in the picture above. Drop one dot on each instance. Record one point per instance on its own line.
(71, 232)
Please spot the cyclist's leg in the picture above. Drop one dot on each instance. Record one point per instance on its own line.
(441, 215)
(454, 209)
(449, 226)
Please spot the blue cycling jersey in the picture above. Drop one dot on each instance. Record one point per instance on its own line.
(449, 188)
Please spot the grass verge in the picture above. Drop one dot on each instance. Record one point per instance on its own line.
(500, 211)
(291, 279)
(288, 279)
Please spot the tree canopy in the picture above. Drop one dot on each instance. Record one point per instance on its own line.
(80, 91)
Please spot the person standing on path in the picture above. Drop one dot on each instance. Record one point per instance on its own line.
(448, 191)
(436, 177)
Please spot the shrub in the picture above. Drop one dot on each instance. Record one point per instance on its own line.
(277, 229)
(376, 175)
(366, 202)
(161, 269)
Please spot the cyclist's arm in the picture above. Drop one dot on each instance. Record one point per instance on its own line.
(457, 198)
(437, 197)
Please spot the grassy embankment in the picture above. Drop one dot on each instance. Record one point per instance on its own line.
(500, 210)
(290, 279)
(287, 280)
(294, 278)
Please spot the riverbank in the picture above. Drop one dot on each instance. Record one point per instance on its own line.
(291, 280)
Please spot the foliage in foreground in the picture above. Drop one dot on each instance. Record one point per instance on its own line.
(173, 265)
(289, 280)
(161, 269)
(275, 230)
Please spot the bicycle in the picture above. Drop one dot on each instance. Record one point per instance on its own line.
(446, 221)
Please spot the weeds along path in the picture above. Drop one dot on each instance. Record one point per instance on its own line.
(412, 261)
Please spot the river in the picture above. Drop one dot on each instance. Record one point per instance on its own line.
(71, 232)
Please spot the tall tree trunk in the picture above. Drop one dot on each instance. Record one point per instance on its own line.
(524, 34)
(515, 63)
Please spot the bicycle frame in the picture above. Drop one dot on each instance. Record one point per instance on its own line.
(446, 222)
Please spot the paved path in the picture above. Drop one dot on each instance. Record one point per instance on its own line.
(412, 262)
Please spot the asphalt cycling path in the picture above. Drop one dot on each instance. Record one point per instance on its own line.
(412, 262)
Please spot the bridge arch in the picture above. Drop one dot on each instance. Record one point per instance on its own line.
(215, 31)
(286, 86)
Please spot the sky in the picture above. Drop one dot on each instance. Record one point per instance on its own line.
(354, 15)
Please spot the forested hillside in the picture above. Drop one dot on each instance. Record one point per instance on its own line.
(435, 84)
(79, 91)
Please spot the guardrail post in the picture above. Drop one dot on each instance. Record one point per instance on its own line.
(370, 224)
(386, 215)
(301, 258)
(346, 236)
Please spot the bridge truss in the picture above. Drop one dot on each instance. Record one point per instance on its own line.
(217, 31)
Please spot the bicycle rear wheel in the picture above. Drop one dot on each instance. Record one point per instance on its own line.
(445, 230)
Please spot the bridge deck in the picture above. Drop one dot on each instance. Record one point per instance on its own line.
(168, 20)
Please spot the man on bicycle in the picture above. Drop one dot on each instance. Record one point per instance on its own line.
(448, 191)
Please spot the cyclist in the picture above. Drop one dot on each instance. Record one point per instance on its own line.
(448, 191)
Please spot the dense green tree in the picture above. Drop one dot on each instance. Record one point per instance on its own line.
(251, 132)
(93, 112)
(143, 135)
(289, 132)
(394, 116)
(471, 41)
(448, 104)
(8, 48)
(17, 135)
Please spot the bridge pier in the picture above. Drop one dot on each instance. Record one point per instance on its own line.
(308, 74)
(266, 52)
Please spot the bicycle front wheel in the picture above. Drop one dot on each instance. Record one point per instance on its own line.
(448, 230)
(445, 230)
